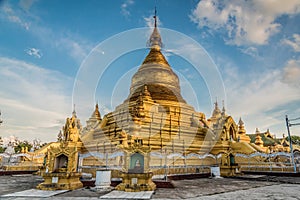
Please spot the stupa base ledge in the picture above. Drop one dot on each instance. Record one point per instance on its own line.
(61, 181)
(136, 182)
(229, 171)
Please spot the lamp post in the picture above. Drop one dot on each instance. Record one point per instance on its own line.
(288, 125)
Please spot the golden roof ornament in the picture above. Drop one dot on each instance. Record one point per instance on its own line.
(96, 114)
(155, 41)
(257, 131)
(223, 109)
(241, 127)
(60, 136)
(74, 112)
(216, 111)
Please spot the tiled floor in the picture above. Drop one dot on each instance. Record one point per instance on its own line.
(35, 193)
(127, 195)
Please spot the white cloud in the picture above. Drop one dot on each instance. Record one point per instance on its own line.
(61, 39)
(251, 51)
(244, 22)
(124, 7)
(295, 43)
(34, 101)
(78, 50)
(291, 73)
(14, 17)
(34, 52)
(262, 99)
(149, 21)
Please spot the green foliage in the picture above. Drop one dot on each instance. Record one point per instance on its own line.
(21, 144)
(295, 139)
(2, 149)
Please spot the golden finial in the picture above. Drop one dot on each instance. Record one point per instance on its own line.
(216, 104)
(97, 112)
(155, 40)
(74, 112)
(241, 123)
(223, 109)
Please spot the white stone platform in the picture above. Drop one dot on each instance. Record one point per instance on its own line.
(128, 195)
(35, 193)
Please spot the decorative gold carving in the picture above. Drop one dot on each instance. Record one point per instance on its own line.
(61, 160)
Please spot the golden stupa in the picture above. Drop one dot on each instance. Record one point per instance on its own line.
(156, 115)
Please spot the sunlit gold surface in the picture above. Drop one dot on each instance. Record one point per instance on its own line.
(61, 161)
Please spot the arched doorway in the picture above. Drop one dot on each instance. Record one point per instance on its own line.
(61, 162)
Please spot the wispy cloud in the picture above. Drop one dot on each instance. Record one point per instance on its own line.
(149, 21)
(294, 43)
(243, 22)
(124, 7)
(34, 52)
(31, 106)
(12, 16)
(251, 51)
(291, 73)
(61, 39)
(77, 49)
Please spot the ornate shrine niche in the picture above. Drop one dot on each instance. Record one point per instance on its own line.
(60, 163)
(230, 129)
(136, 163)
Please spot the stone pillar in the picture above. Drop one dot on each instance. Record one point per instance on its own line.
(215, 172)
(103, 180)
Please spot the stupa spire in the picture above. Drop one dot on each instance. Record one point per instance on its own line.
(155, 41)
(223, 109)
(96, 114)
(155, 72)
(74, 111)
(155, 17)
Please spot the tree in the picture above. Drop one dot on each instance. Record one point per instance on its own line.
(2, 149)
(295, 139)
(24, 144)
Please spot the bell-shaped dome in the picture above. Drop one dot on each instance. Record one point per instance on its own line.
(156, 73)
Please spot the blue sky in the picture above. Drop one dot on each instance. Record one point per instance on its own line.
(254, 45)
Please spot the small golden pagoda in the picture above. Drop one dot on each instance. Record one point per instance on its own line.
(242, 132)
(61, 170)
(258, 140)
(136, 174)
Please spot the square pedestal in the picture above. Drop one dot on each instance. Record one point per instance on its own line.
(227, 171)
(136, 182)
(61, 181)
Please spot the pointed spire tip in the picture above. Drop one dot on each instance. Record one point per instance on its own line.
(155, 41)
